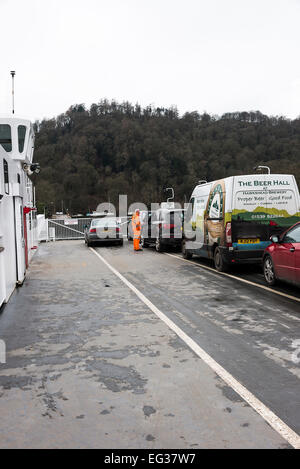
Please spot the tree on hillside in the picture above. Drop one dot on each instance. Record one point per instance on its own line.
(89, 156)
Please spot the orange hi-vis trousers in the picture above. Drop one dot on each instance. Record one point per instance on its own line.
(136, 228)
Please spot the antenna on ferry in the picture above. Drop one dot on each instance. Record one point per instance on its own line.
(172, 191)
(259, 168)
(13, 90)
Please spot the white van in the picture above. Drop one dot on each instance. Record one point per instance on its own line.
(232, 220)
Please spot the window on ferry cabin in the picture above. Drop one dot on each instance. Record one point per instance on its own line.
(6, 177)
(21, 137)
(5, 137)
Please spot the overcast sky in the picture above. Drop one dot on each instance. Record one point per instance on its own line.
(206, 55)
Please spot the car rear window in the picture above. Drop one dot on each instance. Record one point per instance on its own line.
(174, 218)
(104, 222)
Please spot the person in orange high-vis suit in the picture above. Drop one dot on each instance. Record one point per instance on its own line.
(136, 228)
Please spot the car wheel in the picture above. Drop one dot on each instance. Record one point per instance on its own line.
(269, 272)
(144, 244)
(185, 253)
(220, 264)
(159, 245)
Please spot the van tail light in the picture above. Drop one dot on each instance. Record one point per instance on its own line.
(228, 235)
(118, 229)
(93, 230)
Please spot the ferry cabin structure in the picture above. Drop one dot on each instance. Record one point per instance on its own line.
(17, 204)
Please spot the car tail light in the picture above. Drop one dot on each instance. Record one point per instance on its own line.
(273, 223)
(118, 230)
(93, 230)
(167, 226)
(228, 235)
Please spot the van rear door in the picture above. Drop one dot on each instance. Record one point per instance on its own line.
(263, 205)
(250, 230)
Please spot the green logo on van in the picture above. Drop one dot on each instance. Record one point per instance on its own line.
(216, 202)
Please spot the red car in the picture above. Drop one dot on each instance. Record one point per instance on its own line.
(281, 259)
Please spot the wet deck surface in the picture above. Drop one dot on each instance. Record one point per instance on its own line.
(90, 366)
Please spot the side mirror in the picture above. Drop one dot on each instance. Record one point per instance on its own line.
(274, 239)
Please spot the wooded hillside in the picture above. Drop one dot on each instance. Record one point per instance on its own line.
(89, 156)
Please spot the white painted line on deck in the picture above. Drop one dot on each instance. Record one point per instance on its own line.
(276, 423)
(234, 277)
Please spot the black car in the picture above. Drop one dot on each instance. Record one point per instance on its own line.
(163, 228)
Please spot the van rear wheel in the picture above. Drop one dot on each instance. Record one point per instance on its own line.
(220, 264)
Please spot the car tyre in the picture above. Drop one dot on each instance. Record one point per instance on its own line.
(144, 244)
(185, 253)
(220, 264)
(269, 272)
(158, 245)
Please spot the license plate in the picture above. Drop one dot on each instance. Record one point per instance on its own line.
(249, 241)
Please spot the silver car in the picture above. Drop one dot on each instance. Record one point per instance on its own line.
(103, 230)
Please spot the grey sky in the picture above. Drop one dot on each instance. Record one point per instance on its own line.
(213, 55)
